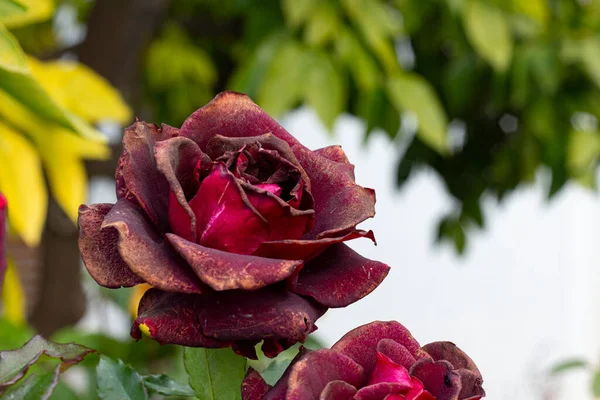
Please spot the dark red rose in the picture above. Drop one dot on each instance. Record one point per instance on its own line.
(237, 226)
(2, 233)
(377, 361)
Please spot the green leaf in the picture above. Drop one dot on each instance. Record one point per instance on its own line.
(297, 12)
(590, 58)
(361, 64)
(283, 86)
(166, 386)
(568, 365)
(451, 229)
(325, 88)
(596, 384)
(13, 335)
(17, 81)
(323, 24)
(410, 91)
(583, 150)
(374, 107)
(488, 31)
(35, 386)
(15, 363)
(119, 381)
(215, 374)
(10, 7)
(35, 11)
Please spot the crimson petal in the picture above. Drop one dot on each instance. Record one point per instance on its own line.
(171, 318)
(338, 390)
(438, 377)
(305, 249)
(340, 204)
(226, 271)
(471, 378)
(360, 343)
(380, 390)
(254, 386)
(310, 375)
(176, 159)
(99, 249)
(339, 277)
(137, 176)
(334, 153)
(226, 220)
(396, 352)
(146, 252)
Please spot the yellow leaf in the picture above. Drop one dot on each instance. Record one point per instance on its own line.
(37, 11)
(61, 151)
(22, 182)
(80, 90)
(13, 297)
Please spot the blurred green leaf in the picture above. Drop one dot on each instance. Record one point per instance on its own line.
(409, 91)
(284, 86)
(35, 386)
(215, 374)
(378, 23)
(488, 31)
(537, 10)
(375, 108)
(596, 384)
(297, 12)
(119, 381)
(13, 336)
(166, 386)
(323, 25)
(590, 57)
(10, 7)
(325, 88)
(451, 229)
(583, 151)
(363, 68)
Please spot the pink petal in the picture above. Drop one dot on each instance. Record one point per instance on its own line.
(99, 249)
(145, 252)
(227, 271)
(388, 371)
(270, 187)
(339, 277)
(380, 391)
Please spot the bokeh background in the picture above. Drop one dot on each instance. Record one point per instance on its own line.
(476, 121)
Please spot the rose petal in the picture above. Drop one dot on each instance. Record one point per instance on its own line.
(360, 343)
(254, 386)
(99, 249)
(334, 153)
(268, 313)
(137, 176)
(438, 378)
(176, 159)
(279, 391)
(338, 390)
(305, 249)
(310, 375)
(226, 271)
(171, 318)
(380, 391)
(146, 252)
(225, 218)
(340, 204)
(396, 352)
(284, 221)
(339, 277)
(471, 378)
(387, 370)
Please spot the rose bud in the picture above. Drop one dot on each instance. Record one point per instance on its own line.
(377, 361)
(238, 228)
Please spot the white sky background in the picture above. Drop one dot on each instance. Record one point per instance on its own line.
(522, 298)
